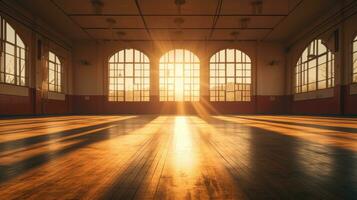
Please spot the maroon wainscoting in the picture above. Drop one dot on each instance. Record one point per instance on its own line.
(350, 102)
(272, 104)
(55, 107)
(15, 105)
(88, 104)
(323, 106)
(97, 104)
(33, 105)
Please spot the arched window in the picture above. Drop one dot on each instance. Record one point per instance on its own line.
(129, 76)
(354, 61)
(315, 68)
(13, 56)
(179, 76)
(55, 73)
(230, 76)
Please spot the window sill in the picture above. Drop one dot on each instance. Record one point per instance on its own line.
(56, 96)
(353, 89)
(15, 90)
(318, 94)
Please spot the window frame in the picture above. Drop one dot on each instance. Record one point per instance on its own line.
(115, 93)
(354, 60)
(242, 72)
(190, 83)
(57, 72)
(19, 76)
(305, 83)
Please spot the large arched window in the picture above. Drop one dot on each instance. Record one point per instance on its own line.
(230, 76)
(129, 76)
(179, 76)
(54, 73)
(315, 68)
(354, 61)
(13, 56)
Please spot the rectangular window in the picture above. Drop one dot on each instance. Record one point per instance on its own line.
(13, 56)
(54, 73)
(354, 61)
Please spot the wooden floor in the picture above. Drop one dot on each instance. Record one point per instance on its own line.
(178, 157)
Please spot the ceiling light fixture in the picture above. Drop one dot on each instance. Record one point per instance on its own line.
(244, 22)
(110, 21)
(179, 21)
(179, 3)
(121, 34)
(97, 6)
(257, 6)
(235, 35)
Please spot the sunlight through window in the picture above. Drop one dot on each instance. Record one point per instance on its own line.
(54, 73)
(13, 56)
(315, 68)
(354, 61)
(230, 76)
(129, 76)
(179, 76)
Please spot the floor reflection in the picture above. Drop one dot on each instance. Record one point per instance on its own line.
(178, 157)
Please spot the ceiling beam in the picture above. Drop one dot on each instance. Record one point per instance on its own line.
(105, 28)
(142, 18)
(175, 15)
(283, 19)
(70, 18)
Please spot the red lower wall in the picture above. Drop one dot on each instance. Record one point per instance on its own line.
(96, 104)
(16, 105)
(33, 105)
(350, 105)
(323, 106)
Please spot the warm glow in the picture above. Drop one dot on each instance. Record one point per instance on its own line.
(179, 76)
(129, 76)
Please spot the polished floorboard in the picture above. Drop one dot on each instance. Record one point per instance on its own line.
(178, 157)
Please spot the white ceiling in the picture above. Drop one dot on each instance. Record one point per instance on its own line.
(78, 19)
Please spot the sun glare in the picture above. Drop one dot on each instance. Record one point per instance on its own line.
(179, 76)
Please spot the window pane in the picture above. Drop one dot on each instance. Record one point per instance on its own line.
(232, 78)
(181, 66)
(13, 56)
(319, 61)
(10, 34)
(135, 82)
(55, 73)
(10, 64)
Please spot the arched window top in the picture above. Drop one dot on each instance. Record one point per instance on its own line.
(129, 55)
(315, 68)
(230, 55)
(54, 58)
(315, 49)
(179, 76)
(129, 76)
(13, 66)
(179, 56)
(230, 76)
